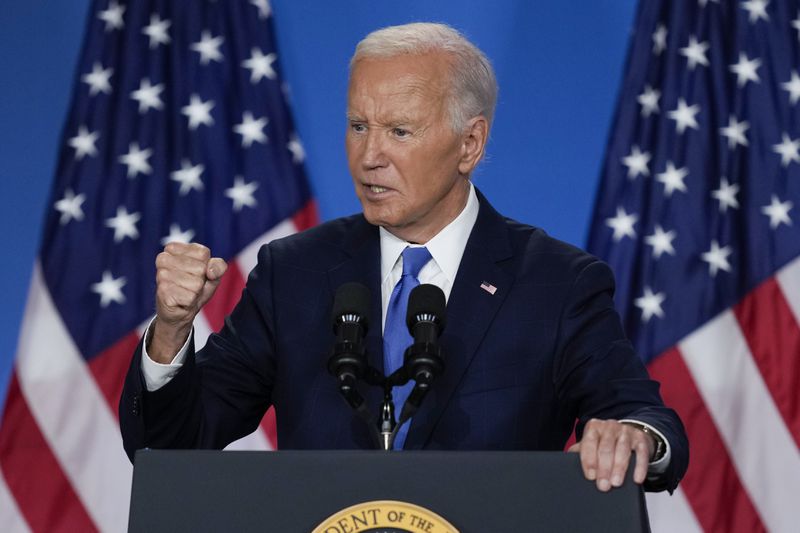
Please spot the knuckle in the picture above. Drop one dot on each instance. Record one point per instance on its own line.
(201, 252)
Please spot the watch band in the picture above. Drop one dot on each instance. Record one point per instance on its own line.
(661, 446)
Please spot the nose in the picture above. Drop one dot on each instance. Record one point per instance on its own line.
(374, 155)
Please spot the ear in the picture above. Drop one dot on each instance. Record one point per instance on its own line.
(473, 144)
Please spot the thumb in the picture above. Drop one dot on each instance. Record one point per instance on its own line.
(575, 447)
(215, 269)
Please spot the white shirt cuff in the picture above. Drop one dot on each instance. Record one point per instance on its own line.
(656, 467)
(156, 375)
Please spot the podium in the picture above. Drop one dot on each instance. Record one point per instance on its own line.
(297, 491)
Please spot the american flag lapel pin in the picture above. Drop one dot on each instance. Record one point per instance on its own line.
(488, 287)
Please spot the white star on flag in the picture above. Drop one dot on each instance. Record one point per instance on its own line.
(622, 224)
(242, 193)
(148, 96)
(296, 147)
(157, 31)
(176, 235)
(717, 258)
(661, 241)
(136, 160)
(726, 194)
(746, 70)
(208, 47)
(695, 52)
(98, 79)
(757, 9)
(684, 116)
(734, 131)
(649, 101)
(109, 289)
(796, 24)
(650, 304)
(260, 65)
(672, 178)
(263, 8)
(70, 206)
(113, 16)
(636, 162)
(251, 129)
(778, 212)
(660, 39)
(198, 112)
(788, 150)
(124, 224)
(83, 143)
(189, 177)
(793, 87)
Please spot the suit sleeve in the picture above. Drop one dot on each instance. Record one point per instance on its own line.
(221, 392)
(599, 375)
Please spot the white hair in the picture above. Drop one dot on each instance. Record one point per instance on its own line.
(473, 86)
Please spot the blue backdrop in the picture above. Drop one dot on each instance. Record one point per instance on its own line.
(559, 66)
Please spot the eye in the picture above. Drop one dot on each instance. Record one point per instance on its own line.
(401, 132)
(357, 127)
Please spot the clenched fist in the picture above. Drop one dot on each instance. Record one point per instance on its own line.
(186, 278)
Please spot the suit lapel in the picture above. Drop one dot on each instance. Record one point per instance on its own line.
(470, 312)
(364, 266)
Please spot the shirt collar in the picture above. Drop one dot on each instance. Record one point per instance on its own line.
(446, 247)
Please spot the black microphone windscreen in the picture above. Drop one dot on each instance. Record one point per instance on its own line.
(351, 299)
(426, 299)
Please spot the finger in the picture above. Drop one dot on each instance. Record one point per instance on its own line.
(195, 250)
(216, 269)
(588, 451)
(622, 458)
(642, 460)
(183, 263)
(605, 457)
(175, 297)
(190, 282)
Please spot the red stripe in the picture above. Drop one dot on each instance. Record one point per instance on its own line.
(269, 427)
(33, 474)
(109, 368)
(229, 292)
(224, 300)
(773, 335)
(307, 217)
(712, 486)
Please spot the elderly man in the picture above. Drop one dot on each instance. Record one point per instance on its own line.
(532, 342)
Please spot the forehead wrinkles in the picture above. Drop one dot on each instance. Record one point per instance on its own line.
(386, 86)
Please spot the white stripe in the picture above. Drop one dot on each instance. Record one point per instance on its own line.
(760, 445)
(71, 412)
(202, 330)
(789, 281)
(11, 520)
(248, 257)
(671, 513)
(256, 440)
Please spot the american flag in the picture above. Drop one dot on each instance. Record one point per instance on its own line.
(179, 130)
(699, 215)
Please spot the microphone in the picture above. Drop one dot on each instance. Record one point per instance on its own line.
(348, 362)
(425, 320)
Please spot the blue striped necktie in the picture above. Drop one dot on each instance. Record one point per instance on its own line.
(396, 337)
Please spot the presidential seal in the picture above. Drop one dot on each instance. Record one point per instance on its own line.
(385, 516)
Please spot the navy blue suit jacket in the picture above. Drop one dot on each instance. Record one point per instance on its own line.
(522, 364)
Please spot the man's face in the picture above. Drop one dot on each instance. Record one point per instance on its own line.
(403, 154)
